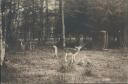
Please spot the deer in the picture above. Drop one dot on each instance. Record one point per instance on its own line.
(22, 45)
(55, 50)
(72, 52)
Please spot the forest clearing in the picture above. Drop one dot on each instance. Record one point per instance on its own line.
(40, 67)
(63, 41)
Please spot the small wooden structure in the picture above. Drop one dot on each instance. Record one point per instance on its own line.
(100, 39)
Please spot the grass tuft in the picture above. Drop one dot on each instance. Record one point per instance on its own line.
(67, 67)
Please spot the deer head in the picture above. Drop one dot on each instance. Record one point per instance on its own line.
(54, 46)
(78, 47)
(81, 46)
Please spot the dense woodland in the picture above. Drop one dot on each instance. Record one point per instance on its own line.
(41, 20)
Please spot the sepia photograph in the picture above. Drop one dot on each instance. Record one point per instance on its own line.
(64, 41)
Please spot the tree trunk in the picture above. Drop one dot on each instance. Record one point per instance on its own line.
(125, 37)
(126, 27)
(2, 33)
(63, 24)
(47, 25)
(2, 47)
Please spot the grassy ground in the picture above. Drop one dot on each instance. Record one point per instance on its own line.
(41, 67)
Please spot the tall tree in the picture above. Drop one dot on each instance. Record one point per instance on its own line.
(2, 33)
(63, 22)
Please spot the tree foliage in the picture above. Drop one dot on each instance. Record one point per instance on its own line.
(95, 14)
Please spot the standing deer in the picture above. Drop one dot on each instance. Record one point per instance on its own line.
(72, 53)
(56, 51)
(22, 45)
(69, 52)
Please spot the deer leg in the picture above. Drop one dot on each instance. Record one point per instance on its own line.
(74, 58)
(55, 55)
(66, 57)
(56, 51)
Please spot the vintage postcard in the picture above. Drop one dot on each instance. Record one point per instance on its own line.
(64, 41)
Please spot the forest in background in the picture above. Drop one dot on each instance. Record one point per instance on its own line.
(42, 19)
